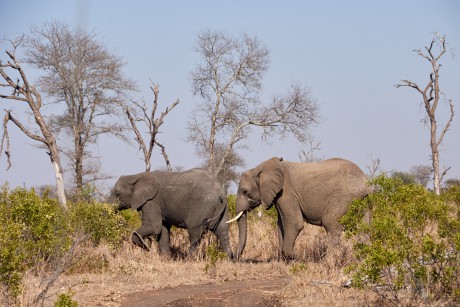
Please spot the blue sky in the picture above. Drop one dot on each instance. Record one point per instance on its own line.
(349, 53)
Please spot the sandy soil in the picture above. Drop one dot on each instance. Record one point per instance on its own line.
(234, 293)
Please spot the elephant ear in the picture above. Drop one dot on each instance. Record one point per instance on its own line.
(271, 180)
(146, 187)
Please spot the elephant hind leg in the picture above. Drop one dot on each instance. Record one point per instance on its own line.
(333, 228)
(221, 233)
(195, 234)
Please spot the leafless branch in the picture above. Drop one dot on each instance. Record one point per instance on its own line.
(62, 264)
(165, 156)
(152, 124)
(229, 80)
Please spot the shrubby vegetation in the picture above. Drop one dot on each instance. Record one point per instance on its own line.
(35, 235)
(408, 253)
(410, 250)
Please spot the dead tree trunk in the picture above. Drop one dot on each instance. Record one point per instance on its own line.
(27, 93)
(431, 95)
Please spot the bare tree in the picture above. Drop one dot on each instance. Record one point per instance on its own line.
(229, 80)
(432, 95)
(140, 113)
(421, 173)
(228, 172)
(24, 92)
(374, 167)
(84, 76)
(309, 155)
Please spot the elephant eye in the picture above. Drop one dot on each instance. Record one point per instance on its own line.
(245, 192)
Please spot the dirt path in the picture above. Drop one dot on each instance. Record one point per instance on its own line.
(234, 293)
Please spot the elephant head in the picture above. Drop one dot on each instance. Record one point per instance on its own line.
(134, 191)
(257, 186)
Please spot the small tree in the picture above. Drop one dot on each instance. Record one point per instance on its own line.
(229, 80)
(23, 91)
(432, 95)
(140, 113)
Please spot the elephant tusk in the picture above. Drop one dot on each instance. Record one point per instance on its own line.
(235, 218)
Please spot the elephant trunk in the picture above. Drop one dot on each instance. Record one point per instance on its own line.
(112, 199)
(243, 234)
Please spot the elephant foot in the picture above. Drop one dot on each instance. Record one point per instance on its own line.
(288, 258)
(139, 241)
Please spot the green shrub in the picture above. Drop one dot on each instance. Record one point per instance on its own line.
(32, 230)
(214, 254)
(231, 202)
(298, 267)
(100, 222)
(410, 246)
(65, 300)
(35, 233)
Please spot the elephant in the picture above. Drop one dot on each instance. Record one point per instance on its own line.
(192, 199)
(318, 193)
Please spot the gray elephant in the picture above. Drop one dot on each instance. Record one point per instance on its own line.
(193, 199)
(317, 193)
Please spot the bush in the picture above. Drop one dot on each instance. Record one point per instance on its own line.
(100, 222)
(36, 234)
(32, 229)
(65, 300)
(231, 203)
(411, 246)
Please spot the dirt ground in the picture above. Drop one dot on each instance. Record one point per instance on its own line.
(234, 293)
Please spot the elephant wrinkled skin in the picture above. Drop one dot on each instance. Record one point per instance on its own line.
(193, 199)
(318, 193)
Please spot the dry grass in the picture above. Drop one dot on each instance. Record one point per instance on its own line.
(103, 277)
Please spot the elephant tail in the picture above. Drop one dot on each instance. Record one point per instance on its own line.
(220, 213)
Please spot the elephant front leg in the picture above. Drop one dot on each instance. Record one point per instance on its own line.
(289, 226)
(163, 240)
(151, 225)
(280, 236)
(140, 235)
